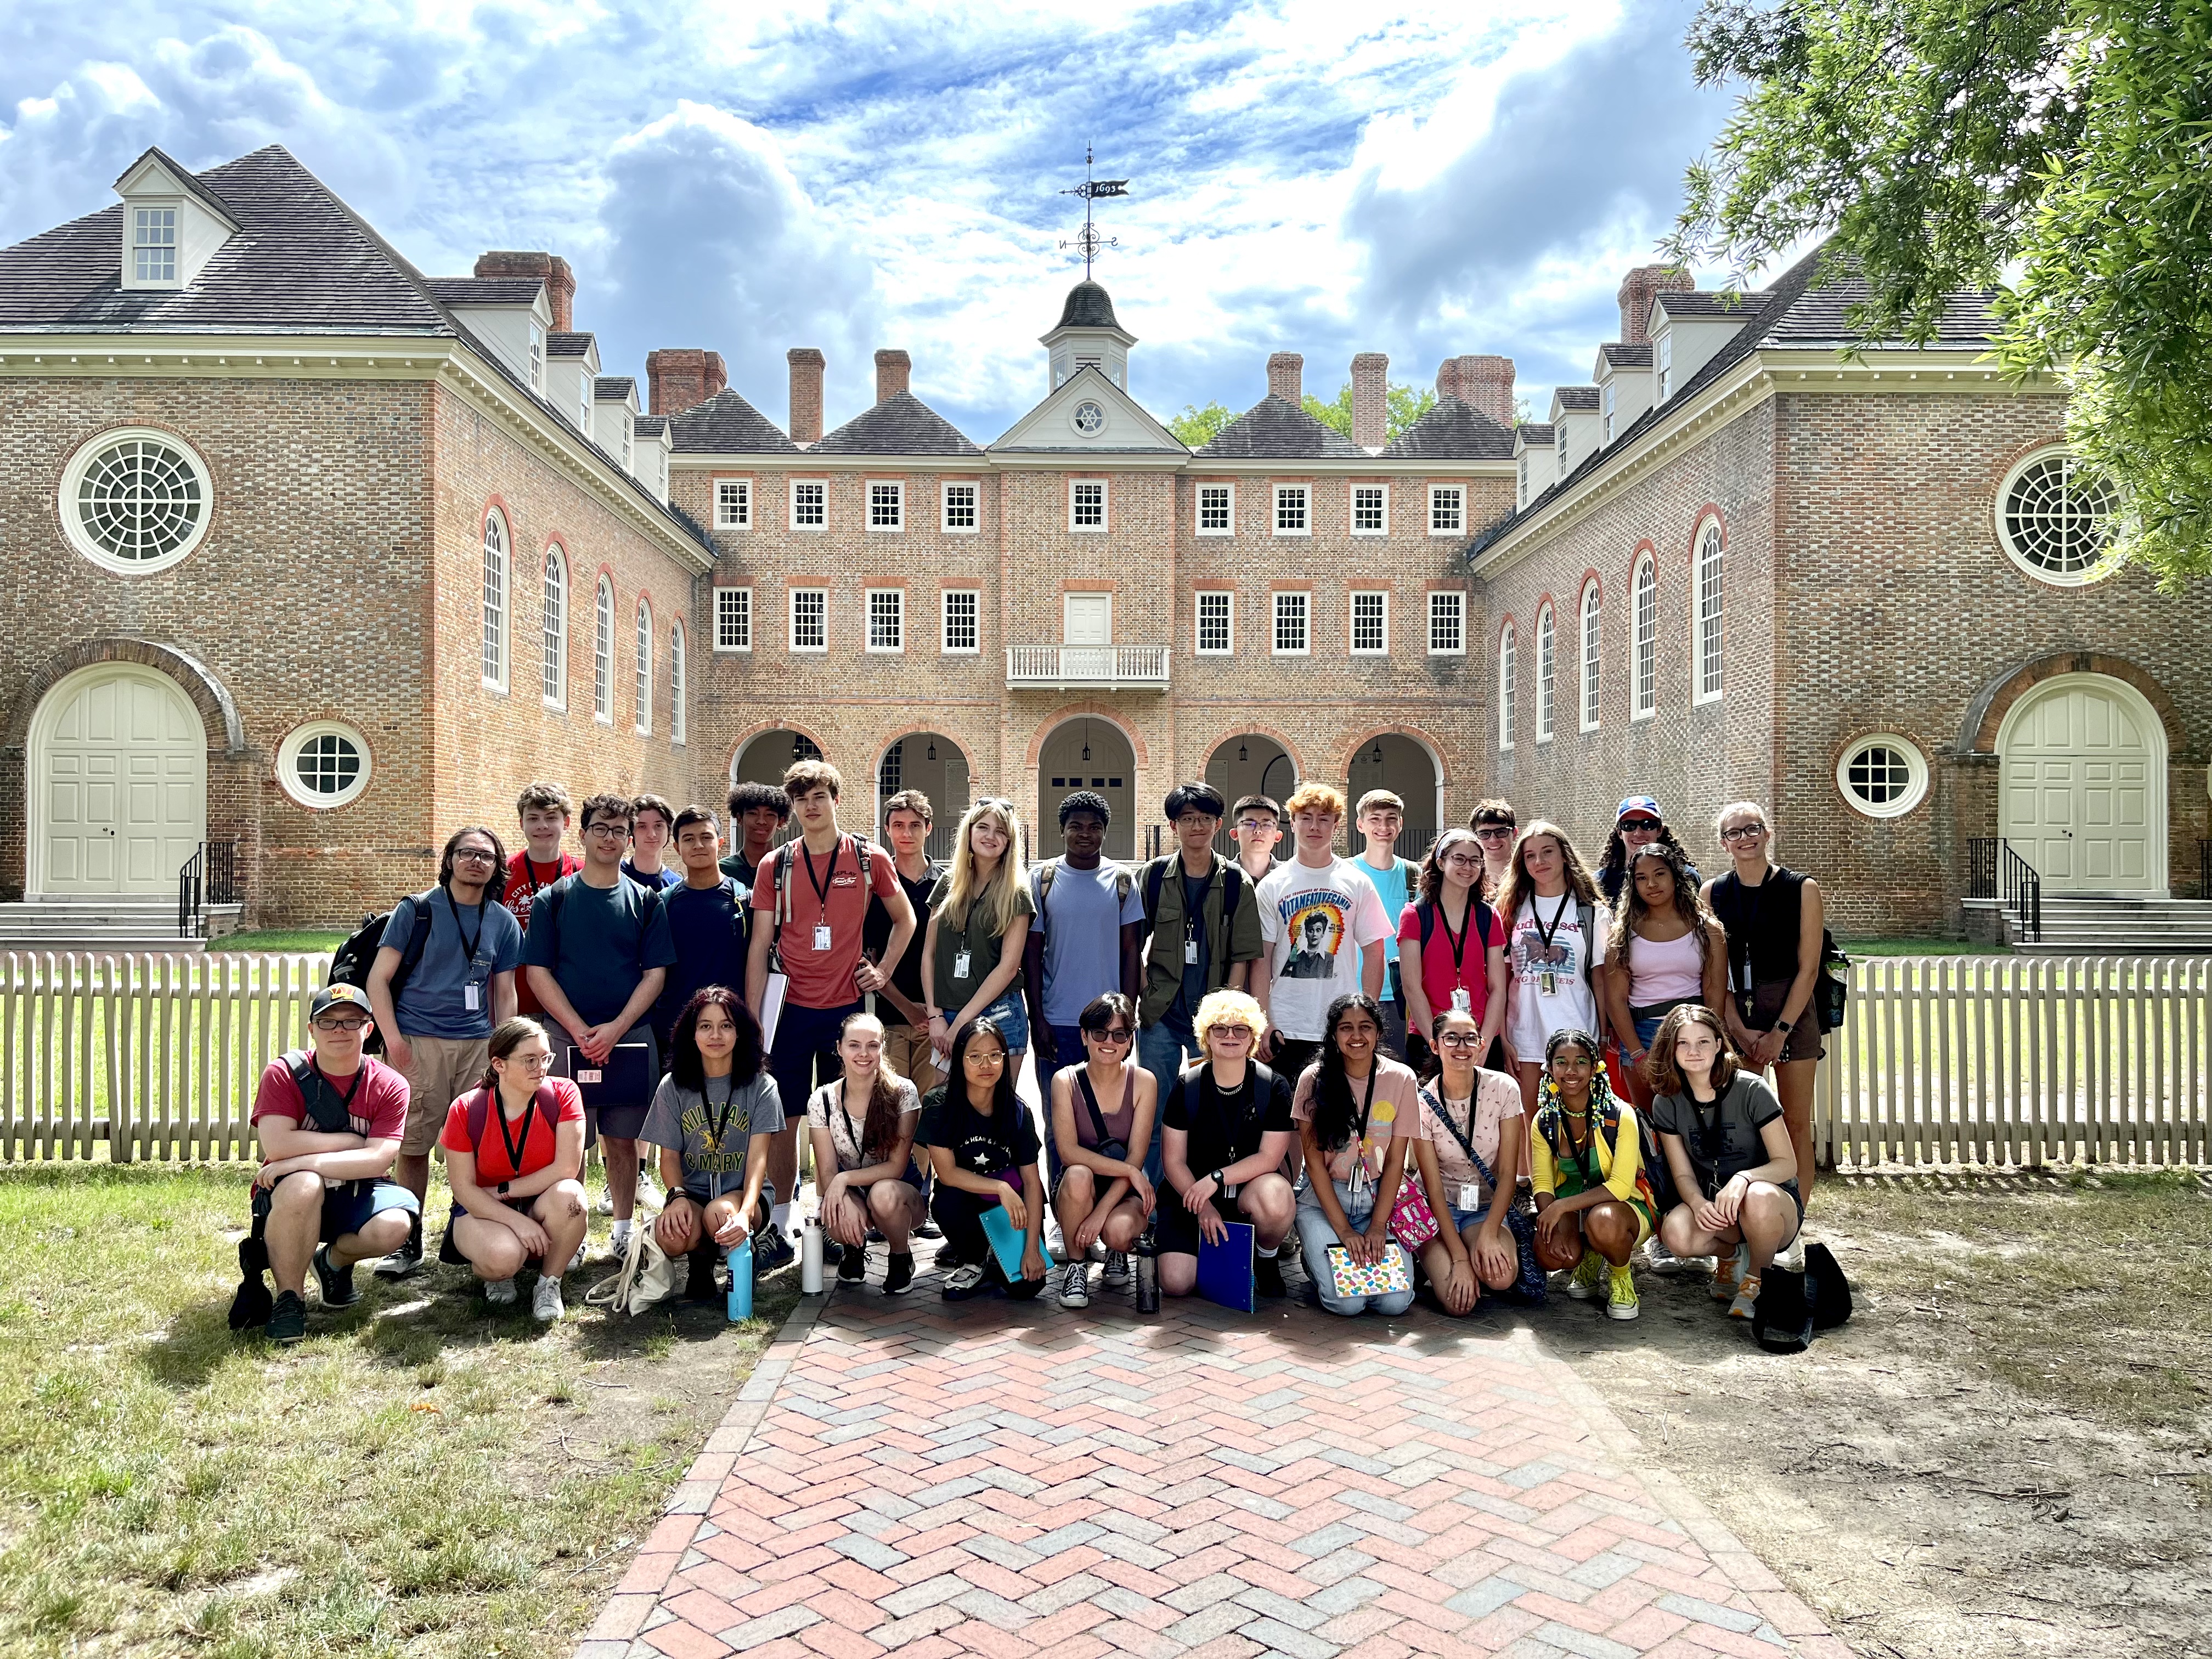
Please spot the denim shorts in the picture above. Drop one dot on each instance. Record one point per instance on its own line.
(1012, 1018)
(352, 1205)
(1463, 1219)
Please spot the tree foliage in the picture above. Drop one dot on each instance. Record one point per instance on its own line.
(2060, 150)
(1196, 426)
(1402, 406)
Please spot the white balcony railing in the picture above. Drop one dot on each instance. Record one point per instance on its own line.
(1115, 667)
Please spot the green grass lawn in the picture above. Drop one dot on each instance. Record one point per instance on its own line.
(1904, 947)
(303, 939)
(419, 1476)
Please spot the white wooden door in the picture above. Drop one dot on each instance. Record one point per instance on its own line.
(121, 784)
(1088, 653)
(2082, 775)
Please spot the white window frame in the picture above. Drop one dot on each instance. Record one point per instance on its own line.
(1296, 499)
(733, 619)
(945, 619)
(975, 505)
(536, 358)
(1448, 521)
(1662, 365)
(1611, 394)
(734, 503)
(1644, 640)
(95, 456)
(1223, 603)
(1560, 439)
(602, 652)
(498, 601)
(553, 628)
(1590, 630)
(1523, 465)
(1448, 605)
(1352, 507)
(822, 503)
(894, 612)
(1708, 596)
(1916, 766)
(287, 764)
(791, 621)
(630, 443)
(1075, 488)
(886, 506)
(679, 687)
(1547, 664)
(1506, 687)
(1288, 604)
(1352, 622)
(2104, 565)
(643, 682)
(154, 246)
(1228, 493)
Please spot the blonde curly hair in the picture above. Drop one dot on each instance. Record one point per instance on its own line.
(1227, 1008)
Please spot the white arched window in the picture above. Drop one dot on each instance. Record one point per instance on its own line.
(495, 601)
(553, 667)
(1705, 669)
(644, 665)
(1591, 600)
(676, 688)
(603, 655)
(1643, 648)
(1544, 675)
(1505, 686)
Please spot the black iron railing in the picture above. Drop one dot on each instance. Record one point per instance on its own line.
(1994, 871)
(2203, 869)
(209, 877)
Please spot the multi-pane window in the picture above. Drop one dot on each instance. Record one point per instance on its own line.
(734, 503)
(553, 662)
(891, 772)
(962, 609)
(1612, 408)
(1370, 510)
(677, 676)
(887, 619)
(1544, 675)
(959, 507)
(886, 506)
(809, 505)
(733, 619)
(1522, 466)
(494, 602)
(603, 655)
(1447, 510)
(644, 679)
(1216, 510)
(1708, 670)
(1447, 622)
(154, 245)
(1663, 352)
(1216, 621)
(1505, 687)
(1292, 620)
(630, 441)
(1290, 515)
(1086, 507)
(536, 358)
(1562, 441)
(810, 619)
(1370, 624)
(1590, 675)
(584, 400)
(1644, 652)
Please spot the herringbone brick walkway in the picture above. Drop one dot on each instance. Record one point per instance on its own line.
(900, 1474)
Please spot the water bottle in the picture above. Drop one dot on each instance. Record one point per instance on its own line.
(1148, 1274)
(740, 1258)
(810, 1258)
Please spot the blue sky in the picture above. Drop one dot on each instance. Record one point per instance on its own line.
(1308, 175)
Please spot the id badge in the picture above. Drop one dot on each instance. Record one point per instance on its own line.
(1550, 983)
(1470, 1195)
(1461, 1003)
(470, 997)
(821, 938)
(1190, 952)
(960, 964)
(1357, 1184)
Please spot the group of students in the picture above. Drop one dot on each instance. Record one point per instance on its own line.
(1217, 1041)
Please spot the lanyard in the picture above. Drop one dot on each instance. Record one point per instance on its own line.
(1592, 1178)
(345, 1100)
(721, 1124)
(515, 1151)
(1458, 941)
(468, 944)
(1559, 915)
(1366, 1106)
(822, 884)
(530, 874)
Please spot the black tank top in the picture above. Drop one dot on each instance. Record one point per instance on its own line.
(1762, 924)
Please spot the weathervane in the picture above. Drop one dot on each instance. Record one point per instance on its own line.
(1087, 241)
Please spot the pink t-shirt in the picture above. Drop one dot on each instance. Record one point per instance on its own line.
(378, 1106)
(1442, 972)
(1396, 1111)
(1665, 970)
(824, 978)
(1497, 1099)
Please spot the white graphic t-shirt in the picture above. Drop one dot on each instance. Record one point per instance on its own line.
(1549, 958)
(1305, 916)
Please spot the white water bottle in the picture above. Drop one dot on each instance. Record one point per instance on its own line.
(810, 1258)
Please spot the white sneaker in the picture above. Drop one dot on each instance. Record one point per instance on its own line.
(546, 1305)
(499, 1292)
(1075, 1285)
(649, 1195)
(1659, 1258)
(1793, 1259)
(606, 1204)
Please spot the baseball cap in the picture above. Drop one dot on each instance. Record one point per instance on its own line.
(339, 996)
(1635, 804)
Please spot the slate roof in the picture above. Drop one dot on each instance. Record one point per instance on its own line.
(568, 345)
(1089, 306)
(1275, 428)
(648, 426)
(1535, 435)
(486, 291)
(1451, 431)
(613, 388)
(1576, 396)
(901, 424)
(726, 424)
(1635, 354)
(1699, 304)
(186, 178)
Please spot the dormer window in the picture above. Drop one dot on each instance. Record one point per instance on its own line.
(1524, 477)
(630, 443)
(154, 245)
(1612, 406)
(584, 399)
(1663, 353)
(536, 358)
(1563, 449)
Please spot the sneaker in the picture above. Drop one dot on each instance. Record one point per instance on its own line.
(1793, 1259)
(1588, 1275)
(833, 1255)
(649, 1195)
(1621, 1300)
(1730, 1271)
(898, 1278)
(1658, 1258)
(606, 1204)
(946, 1256)
(853, 1269)
(1746, 1299)
(337, 1282)
(405, 1259)
(772, 1251)
(964, 1282)
(1117, 1268)
(546, 1306)
(1268, 1276)
(928, 1229)
(288, 1318)
(499, 1292)
(1075, 1285)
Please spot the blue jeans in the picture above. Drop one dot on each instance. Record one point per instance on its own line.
(1163, 1049)
(1315, 1235)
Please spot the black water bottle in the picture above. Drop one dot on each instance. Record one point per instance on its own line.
(1148, 1274)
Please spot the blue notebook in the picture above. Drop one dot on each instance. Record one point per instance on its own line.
(1225, 1270)
(1008, 1242)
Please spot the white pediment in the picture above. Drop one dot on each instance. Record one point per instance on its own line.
(1065, 423)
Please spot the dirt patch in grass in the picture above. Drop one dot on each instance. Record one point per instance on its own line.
(2008, 1451)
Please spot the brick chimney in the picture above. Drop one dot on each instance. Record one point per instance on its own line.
(682, 377)
(893, 370)
(549, 269)
(1286, 377)
(1638, 290)
(1447, 379)
(1371, 412)
(806, 364)
(1485, 386)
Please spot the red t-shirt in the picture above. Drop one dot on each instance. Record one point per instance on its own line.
(824, 979)
(377, 1109)
(525, 879)
(1441, 973)
(493, 1164)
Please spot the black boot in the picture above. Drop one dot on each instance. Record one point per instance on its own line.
(701, 1287)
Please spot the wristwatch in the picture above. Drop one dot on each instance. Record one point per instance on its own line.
(1219, 1185)
(1783, 1025)
(502, 1189)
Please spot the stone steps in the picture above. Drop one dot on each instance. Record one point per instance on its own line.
(2121, 926)
(106, 926)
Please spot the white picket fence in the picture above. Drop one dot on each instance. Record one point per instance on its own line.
(1993, 1061)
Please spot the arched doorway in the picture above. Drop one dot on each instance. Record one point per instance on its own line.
(1250, 763)
(1086, 753)
(117, 784)
(2081, 786)
(1409, 770)
(933, 763)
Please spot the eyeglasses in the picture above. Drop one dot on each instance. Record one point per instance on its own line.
(1250, 825)
(1242, 1031)
(349, 1026)
(607, 830)
(1744, 832)
(532, 1062)
(1459, 1039)
(1463, 861)
(475, 855)
(992, 1057)
(1116, 1034)
(1495, 832)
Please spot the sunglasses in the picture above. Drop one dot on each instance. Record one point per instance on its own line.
(1231, 1030)
(1116, 1034)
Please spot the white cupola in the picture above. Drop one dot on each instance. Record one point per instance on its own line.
(1087, 333)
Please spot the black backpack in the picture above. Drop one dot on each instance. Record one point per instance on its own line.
(357, 956)
(1792, 1306)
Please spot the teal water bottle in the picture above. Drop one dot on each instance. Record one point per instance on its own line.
(740, 1258)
